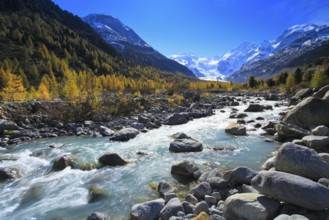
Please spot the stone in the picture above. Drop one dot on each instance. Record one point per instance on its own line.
(184, 168)
(239, 176)
(209, 174)
(8, 174)
(171, 209)
(176, 119)
(210, 200)
(321, 131)
(292, 189)
(7, 125)
(112, 159)
(272, 97)
(250, 206)
(318, 143)
(217, 195)
(188, 207)
(137, 125)
(310, 112)
(324, 157)
(124, 134)
(185, 145)
(236, 129)
(165, 188)
(303, 93)
(254, 108)
(290, 132)
(270, 124)
(169, 196)
(191, 199)
(269, 163)
(96, 194)
(181, 135)
(321, 93)
(148, 210)
(65, 161)
(302, 161)
(292, 217)
(201, 190)
(143, 119)
(324, 181)
(97, 216)
(201, 207)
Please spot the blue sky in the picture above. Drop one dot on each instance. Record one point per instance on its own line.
(204, 27)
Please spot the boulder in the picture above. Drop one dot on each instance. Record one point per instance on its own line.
(188, 207)
(321, 93)
(137, 125)
(165, 188)
(181, 135)
(8, 125)
(214, 178)
(124, 134)
(302, 161)
(250, 206)
(185, 168)
(254, 108)
(270, 124)
(239, 176)
(269, 163)
(310, 112)
(97, 216)
(65, 161)
(292, 189)
(96, 194)
(176, 119)
(318, 143)
(290, 132)
(201, 190)
(171, 209)
(112, 159)
(290, 217)
(191, 199)
(324, 157)
(272, 97)
(143, 119)
(185, 145)
(201, 207)
(321, 131)
(303, 93)
(147, 211)
(236, 129)
(104, 131)
(8, 174)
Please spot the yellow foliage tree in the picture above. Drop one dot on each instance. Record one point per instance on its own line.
(43, 92)
(290, 83)
(14, 89)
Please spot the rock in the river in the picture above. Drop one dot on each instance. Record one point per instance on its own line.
(310, 112)
(318, 143)
(292, 189)
(302, 161)
(165, 188)
(65, 161)
(250, 206)
(254, 108)
(272, 97)
(7, 125)
(97, 216)
(290, 131)
(185, 168)
(171, 209)
(96, 194)
(124, 134)
(321, 131)
(147, 211)
(176, 119)
(181, 135)
(201, 190)
(185, 145)
(236, 129)
(112, 159)
(8, 174)
(239, 176)
(104, 131)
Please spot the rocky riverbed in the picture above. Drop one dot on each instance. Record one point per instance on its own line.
(293, 183)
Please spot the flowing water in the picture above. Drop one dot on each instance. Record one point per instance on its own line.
(42, 194)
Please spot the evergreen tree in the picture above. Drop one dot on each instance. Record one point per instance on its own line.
(298, 76)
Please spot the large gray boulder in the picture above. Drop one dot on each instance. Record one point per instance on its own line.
(318, 143)
(310, 112)
(124, 134)
(8, 125)
(303, 93)
(292, 217)
(201, 190)
(290, 132)
(171, 209)
(112, 159)
(292, 189)
(254, 108)
(184, 168)
(104, 131)
(185, 145)
(8, 174)
(302, 161)
(239, 176)
(165, 188)
(148, 210)
(236, 129)
(65, 161)
(250, 206)
(321, 93)
(177, 119)
(320, 131)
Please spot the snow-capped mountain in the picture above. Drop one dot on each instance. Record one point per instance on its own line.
(263, 60)
(130, 45)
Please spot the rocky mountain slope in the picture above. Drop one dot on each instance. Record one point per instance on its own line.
(127, 42)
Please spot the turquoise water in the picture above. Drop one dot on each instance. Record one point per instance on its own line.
(64, 194)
